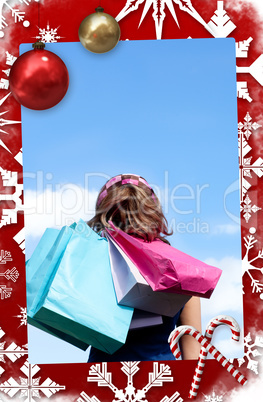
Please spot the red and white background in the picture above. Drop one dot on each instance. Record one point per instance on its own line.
(24, 21)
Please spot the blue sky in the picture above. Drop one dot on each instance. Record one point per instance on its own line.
(166, 110)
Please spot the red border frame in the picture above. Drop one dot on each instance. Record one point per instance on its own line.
(67, 15)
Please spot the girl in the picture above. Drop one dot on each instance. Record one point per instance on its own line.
(131, 204)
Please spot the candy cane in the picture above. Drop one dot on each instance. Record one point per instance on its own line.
(211, 326)
(177, 333)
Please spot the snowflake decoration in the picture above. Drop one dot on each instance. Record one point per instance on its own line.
(30, 386)
(250, 351)
(242, 91)
(10, 59)
(5, 256)
(247, 265)
(5, 122)
(213, 398)
(4, 82)
(5, 292)
(10, 274)
(11, 179)
(247, 209)
(161, 373)
(12, 352)
(242, 48)
(255, 69)
(2, 144)
(245, 129)
(22, 316)
(18, 16)
(248, 126)
(19, 157)
(220, 24)
(48, 35)
(19, 238)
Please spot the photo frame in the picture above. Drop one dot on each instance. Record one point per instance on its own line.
(13, 328)
(198, 203)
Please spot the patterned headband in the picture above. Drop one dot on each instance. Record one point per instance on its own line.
(122, 179)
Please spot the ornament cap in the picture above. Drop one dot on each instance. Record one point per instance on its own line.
(38, 45)
(99, 9)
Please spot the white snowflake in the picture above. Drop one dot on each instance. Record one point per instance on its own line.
(4, 122)
(12, 352)
(255, 69)
(220, 24)
(11, 179)
(19, 157)
(2, 144)
(242, 48)
(4, 82)
(19, 238)
(30, 386)
(213, 398)
(161, 373)
(242, 91)
(247, 265)
(5, 292)
(247, 126)
(48, 35)
(5, 256)
(10, 59)
(18, 16)
(250, 352)
(10, 274)
(245, 129)
(247, 208)
(7, 72)
(22, 316)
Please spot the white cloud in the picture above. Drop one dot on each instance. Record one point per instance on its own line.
(229, 229)
(227, 294)
(66, 204)
(226, 299)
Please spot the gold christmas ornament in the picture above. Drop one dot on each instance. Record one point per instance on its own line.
(99, 32)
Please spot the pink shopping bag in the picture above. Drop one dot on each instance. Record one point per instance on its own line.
(132, 290)
(165, 268)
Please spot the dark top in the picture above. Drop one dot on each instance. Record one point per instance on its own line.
(149, 343)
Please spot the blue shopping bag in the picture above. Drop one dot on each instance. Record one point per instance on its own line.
(41, 266)
(38, 272)
(78, 297)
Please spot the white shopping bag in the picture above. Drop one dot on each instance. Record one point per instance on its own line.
(133, 290)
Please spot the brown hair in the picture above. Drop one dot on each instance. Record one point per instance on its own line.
(132, 209)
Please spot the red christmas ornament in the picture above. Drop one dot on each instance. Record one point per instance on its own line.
(38, 78)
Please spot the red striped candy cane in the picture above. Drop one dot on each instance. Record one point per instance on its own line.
(211, 326)
(177, 333)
